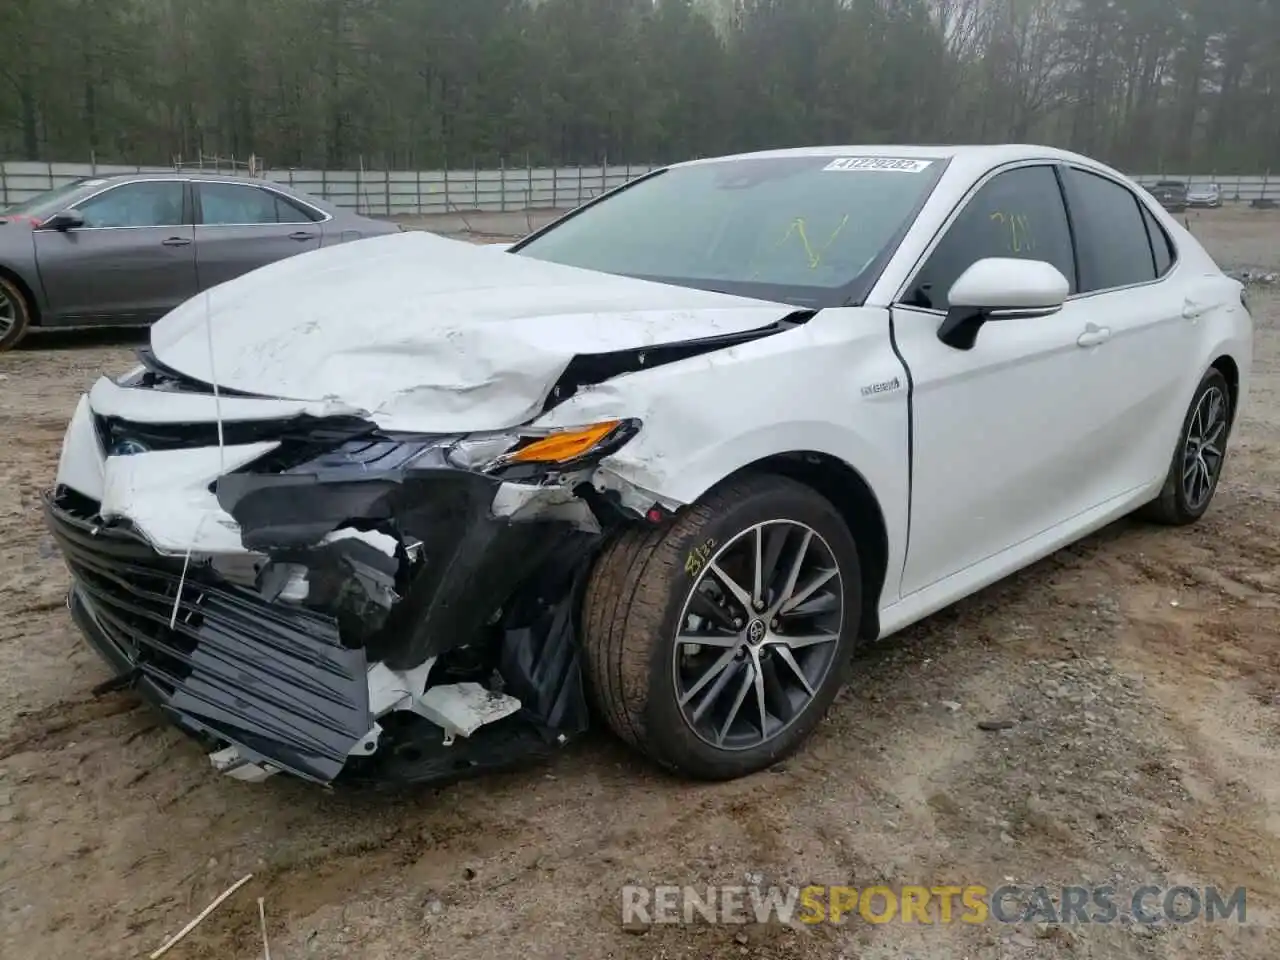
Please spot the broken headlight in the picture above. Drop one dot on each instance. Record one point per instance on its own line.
(528, 452)
(516, 454)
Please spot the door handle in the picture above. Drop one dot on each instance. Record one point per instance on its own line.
(1093, 336)
(301, 235)
(176, 242)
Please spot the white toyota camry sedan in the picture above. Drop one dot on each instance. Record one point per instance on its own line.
(412, 509)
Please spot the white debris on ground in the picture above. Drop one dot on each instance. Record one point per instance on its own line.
(1265, 277)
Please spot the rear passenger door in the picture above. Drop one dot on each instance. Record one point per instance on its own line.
(242, 226)
(1147, 325)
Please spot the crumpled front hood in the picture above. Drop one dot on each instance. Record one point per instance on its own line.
(423, 333)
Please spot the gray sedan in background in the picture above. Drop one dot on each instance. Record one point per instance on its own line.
(124, 250)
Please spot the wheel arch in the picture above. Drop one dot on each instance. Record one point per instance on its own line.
(851, 495)
(1227, 366)
(33, 302)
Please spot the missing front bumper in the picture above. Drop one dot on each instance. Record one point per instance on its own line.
(276, 682)
(270, 685)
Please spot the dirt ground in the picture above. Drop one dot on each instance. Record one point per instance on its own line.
(1140, 670)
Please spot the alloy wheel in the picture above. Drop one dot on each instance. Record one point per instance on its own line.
(8, 312)
(1203, 451)
(758, 634)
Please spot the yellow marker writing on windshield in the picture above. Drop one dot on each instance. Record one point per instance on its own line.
(815, 256)
(797, 227)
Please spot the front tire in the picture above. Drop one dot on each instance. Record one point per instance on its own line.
(15, 314)
(716, 644)
(1197, 462)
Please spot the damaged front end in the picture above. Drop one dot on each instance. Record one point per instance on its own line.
(397, 607)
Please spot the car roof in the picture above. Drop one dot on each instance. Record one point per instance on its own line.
(177, 175)
(967, 159)
(205, 177)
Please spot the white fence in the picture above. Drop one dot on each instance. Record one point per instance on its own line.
(379, 192)
(401, 192)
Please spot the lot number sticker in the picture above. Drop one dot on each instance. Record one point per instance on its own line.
(886, 164)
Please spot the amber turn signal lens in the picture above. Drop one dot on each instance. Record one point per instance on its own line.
(563, 447)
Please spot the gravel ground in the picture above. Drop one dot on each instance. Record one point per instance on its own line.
(1136, 675)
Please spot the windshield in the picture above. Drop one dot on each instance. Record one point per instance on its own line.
(805, 230)
(48, 203)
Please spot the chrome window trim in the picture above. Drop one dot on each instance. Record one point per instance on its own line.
(990, 175)
(116, 186)
(324, 217)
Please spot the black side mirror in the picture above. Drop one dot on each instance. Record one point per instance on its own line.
(65, 220)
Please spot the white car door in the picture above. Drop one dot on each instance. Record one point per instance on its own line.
(1148, 317)
(1001, 433)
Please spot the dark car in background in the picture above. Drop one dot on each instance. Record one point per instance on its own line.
(125, 250)
(1170, 194)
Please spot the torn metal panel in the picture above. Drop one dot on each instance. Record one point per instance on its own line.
(81, 462)
(709, 416)
(297, 500)
(273, 681)
(396, 689)
(588, 369)
(429, 335)
(433, 569)
(361, 574)
(165, 495)
(523, 502)
(139, 404)
(630, 496)
(470, 559)
(460, 709)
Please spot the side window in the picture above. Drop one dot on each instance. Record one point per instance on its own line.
(226, 204)
(1019, 214)
(1161, 245)
(1115, 250)
(289, 212)
(149, 203)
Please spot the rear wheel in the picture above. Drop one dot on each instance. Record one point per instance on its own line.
(1197, 462)
(715, 645)
(15, 314)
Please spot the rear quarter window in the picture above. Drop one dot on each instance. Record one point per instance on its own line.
(1112, 242)
(291, 211)
(1161, 246)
